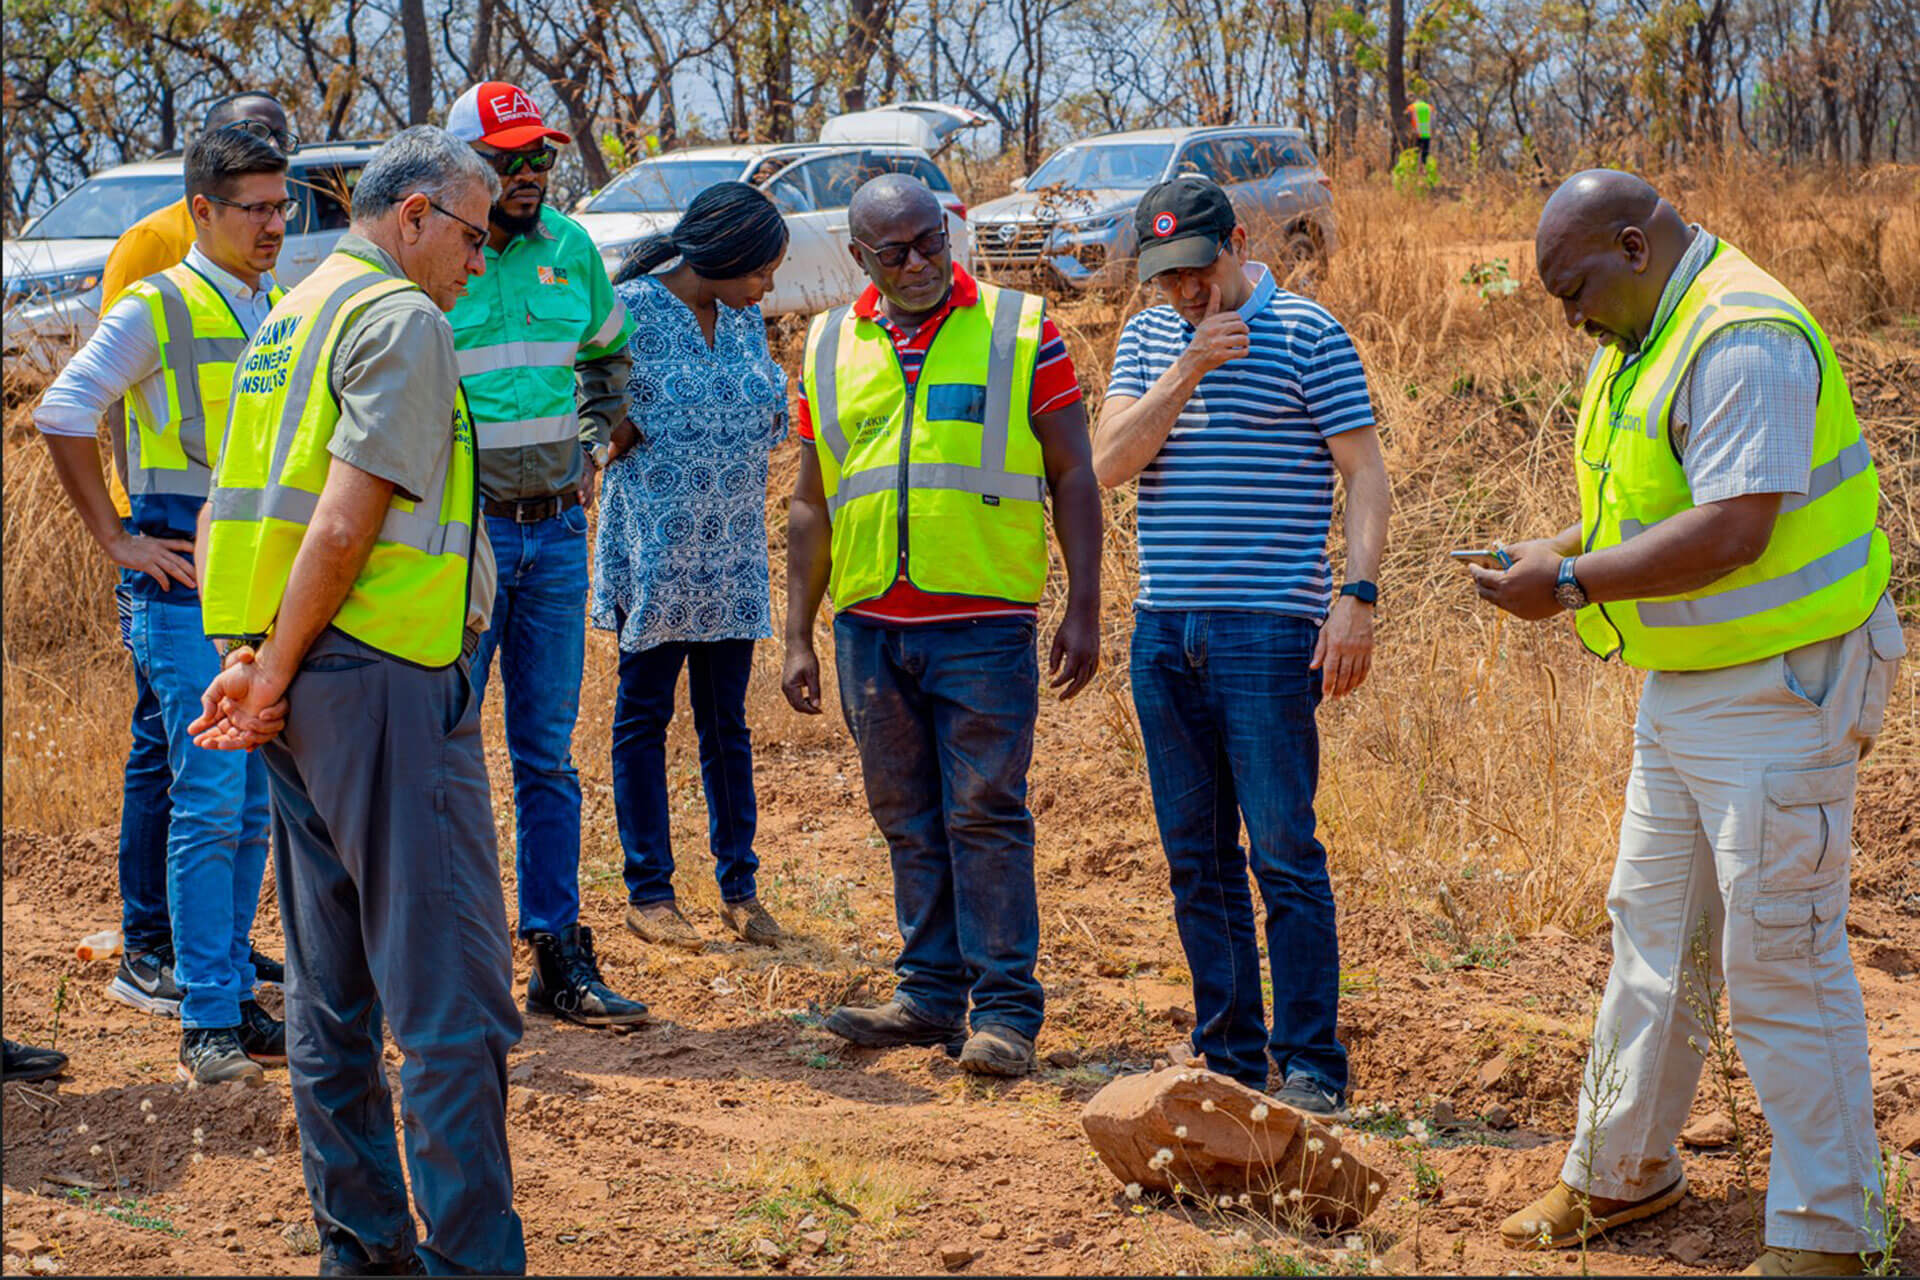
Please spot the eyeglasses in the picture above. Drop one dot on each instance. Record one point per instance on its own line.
(890, 256)
(1616, 396)
(261, 212)
(285, 139)
(438, 208)
(508, 163)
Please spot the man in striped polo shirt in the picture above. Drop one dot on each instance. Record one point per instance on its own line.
(1235, 403)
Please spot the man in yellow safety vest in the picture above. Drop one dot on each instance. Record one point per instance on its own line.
(939, 414)
(1727, 545)
(343, 548)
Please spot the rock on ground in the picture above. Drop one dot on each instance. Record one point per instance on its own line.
(1225, 1150)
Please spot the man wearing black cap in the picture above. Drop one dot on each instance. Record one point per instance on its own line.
(1235, 403)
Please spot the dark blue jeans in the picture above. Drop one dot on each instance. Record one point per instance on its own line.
(1226, 703)
(144, 811)
(943, 717)
(539, 628)
(717, 674)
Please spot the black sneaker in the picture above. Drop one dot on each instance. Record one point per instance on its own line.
(145, 981)
(267, 972)
(1304, 1093)
(888, 1026)
(566, 982)
(24, 1062)
(212, 1055)
(262, 1036)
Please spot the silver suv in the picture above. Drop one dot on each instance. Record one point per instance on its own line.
(1072, 219)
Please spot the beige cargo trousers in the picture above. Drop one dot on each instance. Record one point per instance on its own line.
(1739, 813)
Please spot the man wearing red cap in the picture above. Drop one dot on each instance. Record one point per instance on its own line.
(542, 344)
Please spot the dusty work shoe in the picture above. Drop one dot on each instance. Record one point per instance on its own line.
(887, 1027)
(212, 1055)
(262, 1036)
(267, 972)
(1304, 1093)
(566, 982)
(1808, 1262)
(751, 923)
(662, 923)
(996, 1050)
(25, 1062)
(145, 981)
(1556, 1220)
(342, 1255)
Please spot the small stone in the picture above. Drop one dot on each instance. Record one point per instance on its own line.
(954, 1256)
(520, 1074)
(816, 1241)
(24, 1243)
(1499, 1116)
(808, 1223)
(1444, 1114)
(263, 1219)
(767, 1251)
(1492, 1071)
(1688, 1248)
(1063, 1059)
(1714, 1130)
(43, 1264)
(993, 1231)
(226, 1230)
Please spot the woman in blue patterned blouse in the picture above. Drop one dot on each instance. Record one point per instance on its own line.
(680, 566)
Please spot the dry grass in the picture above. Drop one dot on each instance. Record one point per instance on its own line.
(1483, 756)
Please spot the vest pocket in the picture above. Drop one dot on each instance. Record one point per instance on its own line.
(1806, 826)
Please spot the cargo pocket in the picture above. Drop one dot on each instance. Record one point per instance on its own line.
(1887, 646)
(1809, 819)
(1800, 926)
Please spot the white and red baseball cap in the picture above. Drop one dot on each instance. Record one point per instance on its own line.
(501, 115)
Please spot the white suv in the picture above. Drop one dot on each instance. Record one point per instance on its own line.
(52, 268)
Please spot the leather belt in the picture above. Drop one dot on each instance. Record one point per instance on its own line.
(532, 510)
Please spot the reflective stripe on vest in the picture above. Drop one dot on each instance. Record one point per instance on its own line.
(946, 486)
(410, 599)
(1825, 565)
(177, 426)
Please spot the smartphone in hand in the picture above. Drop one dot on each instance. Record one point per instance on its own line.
(1486, 557)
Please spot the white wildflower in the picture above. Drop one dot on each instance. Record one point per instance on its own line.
(199, 1136)
(1133, 1191)
(1373, 1188)
(1336, 1162)
(1207, 1105)
(152, 1118)
(1295, 1195)
(1180, 1131)
(1164, 1156)
(94, 1150)
(1316, 1146)
(197, 1157)
(80, 1128)
(1246, 1201)
(146, 1104)
(1225, 1202)
(259, 1153)
(1258, 1113)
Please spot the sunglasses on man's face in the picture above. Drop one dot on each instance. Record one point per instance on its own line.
(894, 256)
(286, 140)
(508, 163)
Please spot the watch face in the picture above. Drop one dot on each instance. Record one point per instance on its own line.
(1570, 595)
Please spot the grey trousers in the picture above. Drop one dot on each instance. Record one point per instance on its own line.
(390, 897)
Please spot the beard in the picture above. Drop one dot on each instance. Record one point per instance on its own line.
(514, 225)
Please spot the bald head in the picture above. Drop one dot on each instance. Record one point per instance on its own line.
(1605, 246)
(899, 233)
(887, 203)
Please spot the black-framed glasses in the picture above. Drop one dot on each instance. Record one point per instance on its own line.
(891, 256)
(1616, 396)
(261, 212)
(440, 208)
(285, 139)
(508, 163)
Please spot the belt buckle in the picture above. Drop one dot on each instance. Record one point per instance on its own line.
(522, 510)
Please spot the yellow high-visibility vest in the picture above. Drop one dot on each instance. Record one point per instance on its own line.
(946, 487)
(410, 599)
(1826, 564)
(175, 426)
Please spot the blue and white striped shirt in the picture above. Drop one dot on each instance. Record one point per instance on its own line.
(1234, 509)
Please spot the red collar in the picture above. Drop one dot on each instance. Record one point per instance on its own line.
(965, 293)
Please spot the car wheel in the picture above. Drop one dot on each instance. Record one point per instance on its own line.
(1302, 257)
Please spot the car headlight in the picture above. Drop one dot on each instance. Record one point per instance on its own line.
(1090, 226)
(51, 286)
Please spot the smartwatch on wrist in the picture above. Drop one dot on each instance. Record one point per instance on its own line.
(1363, 591)
(1567, 589)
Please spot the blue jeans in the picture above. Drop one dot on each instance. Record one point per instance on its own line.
(1226, 703)
(943, 717)
(717, 674)
(144, 808)
(217, 838)
(539, 628)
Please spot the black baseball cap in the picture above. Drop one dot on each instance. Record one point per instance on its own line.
(1181, 224)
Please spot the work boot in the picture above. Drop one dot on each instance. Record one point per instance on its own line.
(146, 982)
(212, 1055)
(1774, 1261)
(24, 1062)
(342, 1255)
(997, 1050)
(1304, 1093)
(662, 923)
(262, 1036)
(1555, 1220)
(751, 923)
(267, 972)
(566, 982)
(887, 1027)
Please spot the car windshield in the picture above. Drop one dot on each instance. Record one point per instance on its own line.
(662, 186)
(101, 208)
(1129, 166)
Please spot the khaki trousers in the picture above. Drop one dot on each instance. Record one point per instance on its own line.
(1737, 829)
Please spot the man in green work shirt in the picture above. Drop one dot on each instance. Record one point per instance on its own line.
(543, 357)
